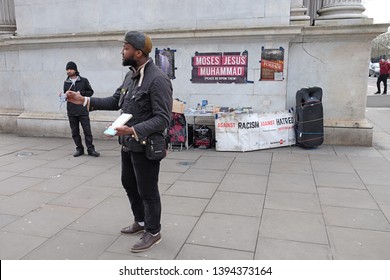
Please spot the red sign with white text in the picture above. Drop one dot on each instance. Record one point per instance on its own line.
(220, 67)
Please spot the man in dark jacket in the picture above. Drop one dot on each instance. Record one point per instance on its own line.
(78, 114)
(146, 93)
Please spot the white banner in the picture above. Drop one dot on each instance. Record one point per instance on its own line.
(249, 132)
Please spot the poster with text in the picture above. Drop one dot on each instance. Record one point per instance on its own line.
(228, 67)
(272, 63)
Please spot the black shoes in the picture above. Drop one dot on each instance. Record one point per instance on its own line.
(384, 93)
(78, 153)
(90, 153)
(378, 92)
(133, 229)
(93, 153)
(146, 242)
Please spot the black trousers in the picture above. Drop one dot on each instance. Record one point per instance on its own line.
(140, 180)
(75, 122)
(382, 78)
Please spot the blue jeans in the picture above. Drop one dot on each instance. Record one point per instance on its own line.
(140, 180)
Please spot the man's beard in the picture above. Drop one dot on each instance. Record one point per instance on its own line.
(129, 62)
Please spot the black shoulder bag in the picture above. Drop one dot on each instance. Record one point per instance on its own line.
(155, 146)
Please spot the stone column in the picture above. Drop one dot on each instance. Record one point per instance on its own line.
(298, 13)
(342, 12)
(7, 17)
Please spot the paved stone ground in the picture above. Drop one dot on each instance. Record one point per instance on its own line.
(286, 203)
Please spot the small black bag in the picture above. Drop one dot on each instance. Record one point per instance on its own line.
(155, 147)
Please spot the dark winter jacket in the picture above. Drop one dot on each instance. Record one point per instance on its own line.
(147, 97)
(82, 84)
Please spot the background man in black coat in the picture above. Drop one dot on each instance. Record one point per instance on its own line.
(78, 114)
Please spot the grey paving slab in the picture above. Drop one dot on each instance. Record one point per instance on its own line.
(24, 202)
(274, 249)
(290, 157)
(303, 202)
(186, 206)
(381, 193)
(285, 167)
(321, 165)
(83, 196)
(74, 245)
(259, 157)
(192, 189)
(175, 165)
(105, 179)
(346, 198)
(108, 217)
(6, 174)
(321, 150)
(374, 177)
(226, 231)
(233, 182)
(358, 244)
(169, 177)
(338, 180)
(293, 226)
(6, 219)
(16, 184)
(197, 252)
(43, 172)
(299, 183)
(86, 170)
(357, 151)
(59, 184)
(214, 163)
(203, 175)
(236, 204)
(330, 157)
(45, 221)
(23, 165)
(386, 211)
(370, 163)
(54, 155)
(15, 246)
(249, 168)
(355, 218)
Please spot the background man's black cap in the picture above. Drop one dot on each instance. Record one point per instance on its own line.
(71, 65)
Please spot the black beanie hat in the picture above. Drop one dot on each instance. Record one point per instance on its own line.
(71, 65)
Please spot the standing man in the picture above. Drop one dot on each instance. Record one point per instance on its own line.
(78, 114)
(384, 71)
(146, 93)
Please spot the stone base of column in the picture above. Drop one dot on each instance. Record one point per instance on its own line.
(348, 133)
(342, 15)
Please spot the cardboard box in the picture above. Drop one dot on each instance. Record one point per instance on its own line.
(178, 107)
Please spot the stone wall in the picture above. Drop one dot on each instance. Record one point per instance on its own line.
(52, 32)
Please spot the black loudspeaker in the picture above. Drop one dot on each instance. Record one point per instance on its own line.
(309, 119)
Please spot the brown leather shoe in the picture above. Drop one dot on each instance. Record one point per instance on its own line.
(146, 242)
(133, 229)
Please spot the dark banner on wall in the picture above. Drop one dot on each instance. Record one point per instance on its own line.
(228, 67)
(165, 59)
(272, 63)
